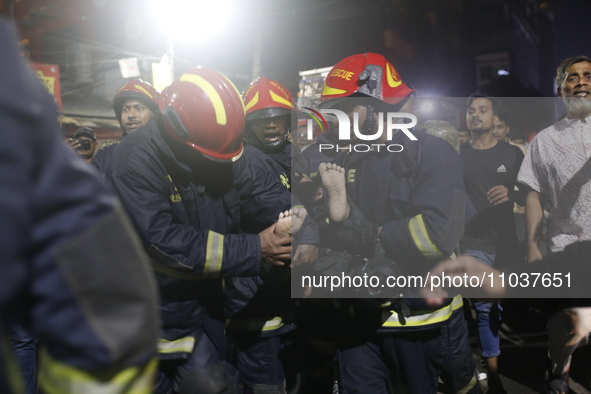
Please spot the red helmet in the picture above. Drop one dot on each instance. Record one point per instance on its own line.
(364, 75)
(203, 109)
(265, 98)
(136, 89)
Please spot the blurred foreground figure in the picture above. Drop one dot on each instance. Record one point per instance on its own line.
(71, 270)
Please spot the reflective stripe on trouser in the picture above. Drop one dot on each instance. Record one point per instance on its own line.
(255, 324)
(58, 378)
(470, 386)
(181, 345)
(417, 318)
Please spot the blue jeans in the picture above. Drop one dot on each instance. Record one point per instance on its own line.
(488, 314)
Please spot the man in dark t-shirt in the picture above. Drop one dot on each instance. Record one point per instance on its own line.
(490, 173)
(484, 171)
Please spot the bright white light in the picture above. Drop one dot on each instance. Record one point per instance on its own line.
(427, 107)
(503, 72)
(425, 93)
(192, 19)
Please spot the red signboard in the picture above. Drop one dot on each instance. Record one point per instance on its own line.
(49, 75)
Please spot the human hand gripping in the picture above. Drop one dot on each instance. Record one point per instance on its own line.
(275, 248)
(72, 143)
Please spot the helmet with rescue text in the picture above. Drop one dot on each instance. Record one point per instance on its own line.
(369, 80)
(367, 75)
(203, 109)
(270, 114)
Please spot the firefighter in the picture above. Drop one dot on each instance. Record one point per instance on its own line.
(71, 268)
(134, 104)
(260, 311)
(175, 180)
(270, 117)
(404, 203)
(262, 175)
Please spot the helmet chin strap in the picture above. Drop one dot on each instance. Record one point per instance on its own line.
(272, 147)
(276, 146)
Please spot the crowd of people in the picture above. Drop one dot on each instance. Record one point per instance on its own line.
(165, 263)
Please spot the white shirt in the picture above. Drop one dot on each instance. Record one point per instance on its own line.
(557, 165)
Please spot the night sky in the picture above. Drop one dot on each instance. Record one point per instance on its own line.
(311, 34)
(573, 28)
(296, 35)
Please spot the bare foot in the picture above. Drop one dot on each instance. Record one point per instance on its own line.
(333, 180)
(297, 218)
(290, 222)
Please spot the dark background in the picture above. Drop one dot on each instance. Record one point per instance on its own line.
(440, 47)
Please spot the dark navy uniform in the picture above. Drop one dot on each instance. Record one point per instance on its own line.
(417, 198)
(259, 308)
(187, 214)
(71, 268)
(102, 158)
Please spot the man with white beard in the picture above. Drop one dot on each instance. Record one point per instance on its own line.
(557, 168)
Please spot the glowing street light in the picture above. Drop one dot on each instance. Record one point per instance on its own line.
(192, 20)
(427, 107)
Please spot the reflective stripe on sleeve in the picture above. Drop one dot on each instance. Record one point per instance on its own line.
(420, 236)
(214, 254)
(58, 378)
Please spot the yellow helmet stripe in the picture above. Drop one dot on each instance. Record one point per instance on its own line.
(216, 100)
(328, 91)
(252, 102)
(236, 90)
(393, 78)
(138, 87)
(278, 99)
